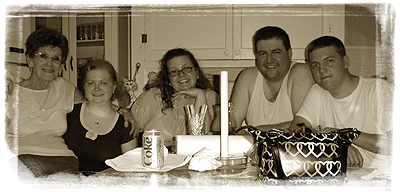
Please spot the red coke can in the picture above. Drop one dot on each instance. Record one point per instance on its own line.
(153, 149)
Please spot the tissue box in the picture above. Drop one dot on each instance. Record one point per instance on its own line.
(189, 144)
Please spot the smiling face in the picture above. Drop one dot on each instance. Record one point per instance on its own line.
(99, 86)
(184, 80)
(47, 69)
(329, 69)
(272, 59)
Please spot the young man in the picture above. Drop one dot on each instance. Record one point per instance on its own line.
(270, 94)
(341, 100)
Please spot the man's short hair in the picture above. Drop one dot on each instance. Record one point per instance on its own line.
(326, 41)
(270, 32)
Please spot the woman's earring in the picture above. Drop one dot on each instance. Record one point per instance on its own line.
(59, 73)
(30, 69)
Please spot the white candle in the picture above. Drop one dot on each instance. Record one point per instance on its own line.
(224, 114)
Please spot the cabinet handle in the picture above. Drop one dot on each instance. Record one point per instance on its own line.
(70, 63)
(227, 52)
(237, 52)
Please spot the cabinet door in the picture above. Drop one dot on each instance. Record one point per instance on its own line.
(303, 23)
(204, 30)
(89, 40)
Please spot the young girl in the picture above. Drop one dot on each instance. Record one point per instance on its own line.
(95, 131)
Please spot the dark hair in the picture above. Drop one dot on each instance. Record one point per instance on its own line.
(162, 81)
(46, 37)
(98, 64)
(326, 41)
(270, 32)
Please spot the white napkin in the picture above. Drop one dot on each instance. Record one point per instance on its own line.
(131, 162)
(381, 173)
(204, 160)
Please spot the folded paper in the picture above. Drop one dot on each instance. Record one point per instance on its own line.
(131, 161)
(204, 160)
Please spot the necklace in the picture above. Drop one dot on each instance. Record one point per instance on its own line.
(41, 105)
(97, 122)
(91, 134)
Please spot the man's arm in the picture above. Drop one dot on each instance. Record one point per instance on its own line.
(298, 119)
(281, 126)
(377, 143)
(299, 82)
(241, 93)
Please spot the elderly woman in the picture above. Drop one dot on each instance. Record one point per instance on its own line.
(180, 82)
(38, 106)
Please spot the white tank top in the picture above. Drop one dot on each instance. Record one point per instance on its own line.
(263, 112)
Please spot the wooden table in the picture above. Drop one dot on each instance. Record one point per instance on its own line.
(226, 177)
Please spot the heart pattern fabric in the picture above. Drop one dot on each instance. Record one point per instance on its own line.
(304, 156)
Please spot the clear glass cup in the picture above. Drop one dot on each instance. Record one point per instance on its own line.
(195, 126)
(195, 121)
(216, 123)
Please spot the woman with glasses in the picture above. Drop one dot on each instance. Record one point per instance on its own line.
(38, 107)
(179, 82)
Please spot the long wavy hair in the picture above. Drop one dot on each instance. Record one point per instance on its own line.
(162, 80)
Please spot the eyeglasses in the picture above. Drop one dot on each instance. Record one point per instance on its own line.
(44, 57)
(178, 72)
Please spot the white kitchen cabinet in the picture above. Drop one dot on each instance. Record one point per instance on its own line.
(204, 30)
(225, 32)
(219, 36)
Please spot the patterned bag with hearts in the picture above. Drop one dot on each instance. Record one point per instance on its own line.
(302, 157)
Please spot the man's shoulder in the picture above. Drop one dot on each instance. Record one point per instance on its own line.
(372, 83)
(300, 68)
(317, 90)
(247, 76)
(248, 73)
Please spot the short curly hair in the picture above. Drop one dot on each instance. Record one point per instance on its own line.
(46, 37)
